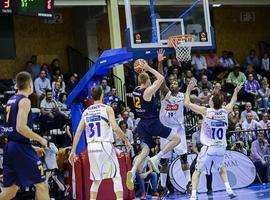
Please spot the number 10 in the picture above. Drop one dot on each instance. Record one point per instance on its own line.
(218, 133)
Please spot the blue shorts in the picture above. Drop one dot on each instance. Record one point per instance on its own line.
(147, 128)
(21, 165)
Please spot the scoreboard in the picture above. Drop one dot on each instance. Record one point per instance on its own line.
(40, 8)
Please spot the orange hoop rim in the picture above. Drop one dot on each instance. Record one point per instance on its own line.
(173, 40)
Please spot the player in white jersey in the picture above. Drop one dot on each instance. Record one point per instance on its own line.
(99, 123)
(172, 115)
(213, 136)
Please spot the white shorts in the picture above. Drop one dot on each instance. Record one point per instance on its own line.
(181, 148)
(210, 156)
(103, 161)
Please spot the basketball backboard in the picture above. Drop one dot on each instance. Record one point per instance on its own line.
(151, 22)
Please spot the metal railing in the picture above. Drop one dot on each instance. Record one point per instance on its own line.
(78, 63)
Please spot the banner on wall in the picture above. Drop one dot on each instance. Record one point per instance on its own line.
(241, 173)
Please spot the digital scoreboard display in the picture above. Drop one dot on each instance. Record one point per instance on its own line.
(40, 8)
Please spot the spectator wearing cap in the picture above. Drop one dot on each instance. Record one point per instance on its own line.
(112, 97)
(259, 149)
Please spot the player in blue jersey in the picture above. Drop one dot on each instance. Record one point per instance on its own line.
(149, 125)
(21, 165)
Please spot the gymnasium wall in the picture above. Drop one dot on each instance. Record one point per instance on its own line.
(231, 33)
(237, 36)
(34, 36)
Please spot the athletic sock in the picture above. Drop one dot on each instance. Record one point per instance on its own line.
(163, 179)
(228, 187)
(193, 193)
(160, 154)
(187, 175)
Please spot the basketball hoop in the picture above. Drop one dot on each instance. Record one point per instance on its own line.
(179, 43)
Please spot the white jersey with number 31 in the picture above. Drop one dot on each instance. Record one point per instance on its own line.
(97, 127)
(214, 127)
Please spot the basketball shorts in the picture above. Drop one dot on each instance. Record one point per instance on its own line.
(209, 154)
(147, 128)
(103, 161)
(181, 148)
(21, 165)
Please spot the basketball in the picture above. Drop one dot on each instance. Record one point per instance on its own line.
(137, 67)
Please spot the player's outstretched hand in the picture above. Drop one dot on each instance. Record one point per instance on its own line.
(144, 65)
(43, 142)
(161, 55)
(238, 87)
(72, 157)
(191, 84)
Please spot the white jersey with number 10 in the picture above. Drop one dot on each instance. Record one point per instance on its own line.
(214, 127)
(97, 127)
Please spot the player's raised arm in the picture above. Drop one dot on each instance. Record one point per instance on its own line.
(116, 128)
(164, 89)
(22, 127)
(76, 140)
(195, 108)
(230, 106)
(151, 90)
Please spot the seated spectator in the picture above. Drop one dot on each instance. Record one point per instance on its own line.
(205, 83)
(259, 149)
(42, 84)
(62, 84)
(45, 67)
(217, 89)
(54, 65)
(205, 94)
(248, 109)
(264, 94)
(267, 133)
(72, 82)
(51, 117)
(251, 88)
(56, 73)
(119, 143)
(240, 147)
(234, 78)
(250, 125)
(231, 56)
(252, 59)
(212, 60)
(56, 91)
(116, 110)
(106, 89)
(225, 62)
(128, 120)
(199, 64)
(35, 69)
(62, 104)
(234, 117)
(143, 175)
(112, 97)
(266, 63)
(265, 120)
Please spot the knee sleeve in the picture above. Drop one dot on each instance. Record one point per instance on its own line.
(95, 186)
(117, 184)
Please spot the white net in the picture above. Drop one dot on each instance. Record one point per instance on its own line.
(183, 51)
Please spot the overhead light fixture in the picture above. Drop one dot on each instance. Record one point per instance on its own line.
(216, 5)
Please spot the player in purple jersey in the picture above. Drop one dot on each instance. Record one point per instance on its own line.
(21, 165)
(149, 124)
